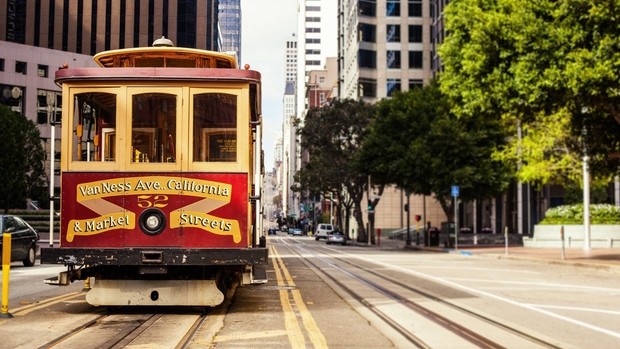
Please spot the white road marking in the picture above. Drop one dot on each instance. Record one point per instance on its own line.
(541, 284)
(490, 295)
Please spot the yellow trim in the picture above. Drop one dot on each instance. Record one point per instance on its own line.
(104, 58)
(181, 111)
(183, 142)
(243, 161)
(68, 131)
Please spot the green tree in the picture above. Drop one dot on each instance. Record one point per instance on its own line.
(332, 135)
(23, 173)
(539, 65)
(416, 143)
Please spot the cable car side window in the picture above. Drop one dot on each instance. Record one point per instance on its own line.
(153, 128)
(94, 123)
(215, 127)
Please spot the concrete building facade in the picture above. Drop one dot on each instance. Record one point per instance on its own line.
(229, 20)
(27, 86)
(91, 26)
(385, 46)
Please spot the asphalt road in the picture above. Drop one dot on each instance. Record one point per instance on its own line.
(305, 304)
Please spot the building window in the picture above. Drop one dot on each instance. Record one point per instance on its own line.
(313, 8)
(313, 52)
(368, 88)
(415, 59)
(313, 41)
(367, 59)
(393, 86)
(313, 62)
(368, 8)
(393, 59)
(49, 107)
(21, 67)
(416, 84)
(415, 8)
(313, 30)
(1, 64)
(393, 33)
(42, 71)
(367, 32)
(12, 96)
(392, 8)
(313, 19)
(415, 33)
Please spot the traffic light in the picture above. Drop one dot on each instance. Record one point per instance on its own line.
(418, 218)
(406, 207)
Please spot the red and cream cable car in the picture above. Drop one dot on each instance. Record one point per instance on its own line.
(160, 177)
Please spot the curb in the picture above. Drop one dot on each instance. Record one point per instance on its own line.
(588, 263)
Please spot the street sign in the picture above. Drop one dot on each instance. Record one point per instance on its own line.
(455, 190)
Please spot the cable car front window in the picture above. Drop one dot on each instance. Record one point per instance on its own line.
(94, 122)
(153, 128)
(215, 127)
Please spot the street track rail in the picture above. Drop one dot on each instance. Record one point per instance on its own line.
(360, 278)
(119, 330)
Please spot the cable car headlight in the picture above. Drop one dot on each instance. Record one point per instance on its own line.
(152, 221)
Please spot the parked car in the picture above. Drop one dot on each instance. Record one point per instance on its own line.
(336, 237)
(322, 231)
(272, 231)
(297, 232)
(24, 239)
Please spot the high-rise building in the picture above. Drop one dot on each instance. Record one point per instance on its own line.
(438, 33)
(385, 46)
(317, 39)
(91, 26)
(291, 60)
(230, 26)
(290, 151)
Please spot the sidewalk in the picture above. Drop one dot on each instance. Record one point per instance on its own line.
(600, 258)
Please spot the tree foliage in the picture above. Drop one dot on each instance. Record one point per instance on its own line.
(542, 65)
(332, 135)
(23, 173)
(416, 143)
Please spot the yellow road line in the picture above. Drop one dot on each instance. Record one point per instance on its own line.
(250, 335)
(21, 311)
(316, 337)
(295, 335)
(293, 331)
(288, 280)
(290, 318)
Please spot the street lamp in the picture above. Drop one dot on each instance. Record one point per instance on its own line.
(371, 211)
(51, 105)
(408, 206)
(586, 185)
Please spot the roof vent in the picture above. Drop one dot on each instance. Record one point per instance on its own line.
(163, 42)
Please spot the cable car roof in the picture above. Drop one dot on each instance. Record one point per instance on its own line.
(165, 56)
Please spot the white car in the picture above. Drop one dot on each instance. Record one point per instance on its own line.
(322, 231)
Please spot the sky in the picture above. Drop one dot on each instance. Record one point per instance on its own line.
(266, 25)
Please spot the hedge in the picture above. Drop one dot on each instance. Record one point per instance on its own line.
(573, 214)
